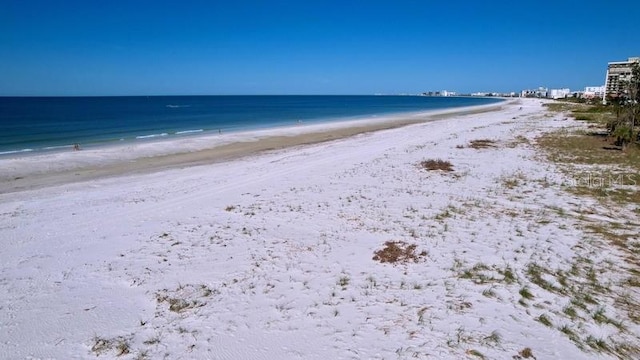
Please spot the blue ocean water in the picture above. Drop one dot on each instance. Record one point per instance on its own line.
(29, 124)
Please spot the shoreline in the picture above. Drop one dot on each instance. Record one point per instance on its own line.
(92, 137)
(33, 171)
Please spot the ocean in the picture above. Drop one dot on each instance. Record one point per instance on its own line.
(38, 124)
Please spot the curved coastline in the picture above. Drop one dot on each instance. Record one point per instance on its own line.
(103, 121)
(37, 170)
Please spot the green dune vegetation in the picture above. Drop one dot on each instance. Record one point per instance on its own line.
(606, 149)
(601, 156)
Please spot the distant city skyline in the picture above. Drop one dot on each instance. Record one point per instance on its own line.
(73, 48)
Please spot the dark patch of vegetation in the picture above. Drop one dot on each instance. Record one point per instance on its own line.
(398, 252)
(526, 353)
(481, 144)
(526, 293)
(545, 320)
(436, 164)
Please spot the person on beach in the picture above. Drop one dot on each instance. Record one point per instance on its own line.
(76, 147)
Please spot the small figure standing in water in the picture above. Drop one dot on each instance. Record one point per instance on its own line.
(76, 147)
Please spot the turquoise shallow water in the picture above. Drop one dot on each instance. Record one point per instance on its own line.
(32, 124)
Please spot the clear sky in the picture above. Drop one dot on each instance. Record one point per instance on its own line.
(135, 47)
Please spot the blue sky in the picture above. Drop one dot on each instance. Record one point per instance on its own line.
(308, 47)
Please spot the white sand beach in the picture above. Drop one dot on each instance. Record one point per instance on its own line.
(182, 252)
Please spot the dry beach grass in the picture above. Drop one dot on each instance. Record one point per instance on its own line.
(436, 164)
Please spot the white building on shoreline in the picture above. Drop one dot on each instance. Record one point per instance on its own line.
(540, 92)
(439, 93)
(591, 92)
(559, 93)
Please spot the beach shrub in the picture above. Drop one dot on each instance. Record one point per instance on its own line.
(623, 135)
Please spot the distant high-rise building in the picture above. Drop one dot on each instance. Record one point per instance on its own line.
(617, 72)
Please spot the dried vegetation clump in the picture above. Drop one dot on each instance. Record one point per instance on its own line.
(482, 144)
(436, 164)
(101, 346)
(398, 252)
